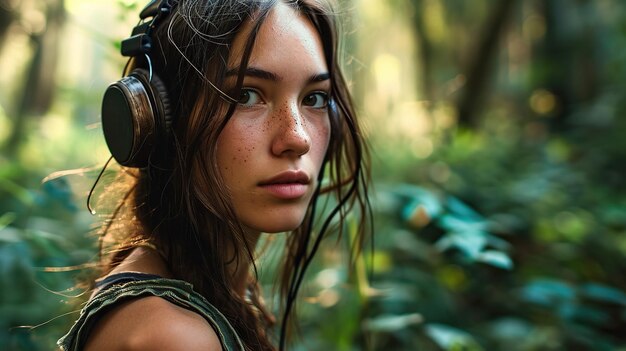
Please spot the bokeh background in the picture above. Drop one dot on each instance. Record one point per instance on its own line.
(498, 147)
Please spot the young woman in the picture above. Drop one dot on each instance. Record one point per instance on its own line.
(253, 123)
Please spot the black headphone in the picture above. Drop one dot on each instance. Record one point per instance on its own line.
(136, 110)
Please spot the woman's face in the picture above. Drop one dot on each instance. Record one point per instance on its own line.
(271, 150)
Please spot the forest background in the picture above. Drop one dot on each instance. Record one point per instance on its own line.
(498, 169)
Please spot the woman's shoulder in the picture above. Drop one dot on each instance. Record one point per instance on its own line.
(144, 313)
(152, 323)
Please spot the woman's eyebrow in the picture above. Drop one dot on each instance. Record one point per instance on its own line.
(319, 77)
(263, 74)
(254, 72)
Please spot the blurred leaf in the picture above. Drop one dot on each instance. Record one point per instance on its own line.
(408, 243)
(548, 292)
(453, 277)
(460, 209)
(396, 293)
(6, 219)
(496, 259)
(10, 235)
(391, 323)
(128, 5)
(588, 315)
(603, 293)
(419, 198)
(59, 190)
(453, 223)
(498, 243)
(510, 328)
(22, 194)
(416, 214)
(471, 243)
(449, 338)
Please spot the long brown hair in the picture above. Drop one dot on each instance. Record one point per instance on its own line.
(178, 203)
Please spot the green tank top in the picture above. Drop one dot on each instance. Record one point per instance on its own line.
(121, 287)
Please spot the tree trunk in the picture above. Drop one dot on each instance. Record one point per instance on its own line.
(424, 77)
(39, 85)
(480, 65)
(6, 18)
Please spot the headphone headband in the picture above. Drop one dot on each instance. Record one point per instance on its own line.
(140, 42)
(155, 7)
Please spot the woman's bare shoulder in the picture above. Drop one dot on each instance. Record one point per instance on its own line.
(152, 323)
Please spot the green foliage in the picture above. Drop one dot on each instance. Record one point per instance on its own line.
(34, 296)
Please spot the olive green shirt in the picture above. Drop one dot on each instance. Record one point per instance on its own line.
(122, 287)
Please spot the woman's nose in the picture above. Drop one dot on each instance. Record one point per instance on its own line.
(291, 136)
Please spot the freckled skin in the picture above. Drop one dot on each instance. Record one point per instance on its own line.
(280, 133)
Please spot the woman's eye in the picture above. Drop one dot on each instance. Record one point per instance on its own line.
(249, 97)
(316, 100)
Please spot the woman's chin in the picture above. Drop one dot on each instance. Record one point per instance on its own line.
(278, 226)
(273, 220)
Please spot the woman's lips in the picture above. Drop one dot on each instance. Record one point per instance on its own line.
(287, 185)
(286, 191)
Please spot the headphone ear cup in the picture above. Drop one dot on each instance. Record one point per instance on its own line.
(135, 110)
(162, 101)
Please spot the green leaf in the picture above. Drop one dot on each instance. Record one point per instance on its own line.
(391, 323)
(405, 241)
(548, 292)
(20, 193)
(59, 190)
(449, 338)
(603, 293)
(495, 258)
(510, 328)
(454, 223)
(460, 209)
(470, 243)
(6, 219)
(10, 235)
(419, 197)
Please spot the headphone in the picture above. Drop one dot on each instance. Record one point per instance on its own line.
(136, 111)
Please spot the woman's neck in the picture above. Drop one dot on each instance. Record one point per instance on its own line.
(147, 260)
(143, 259)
